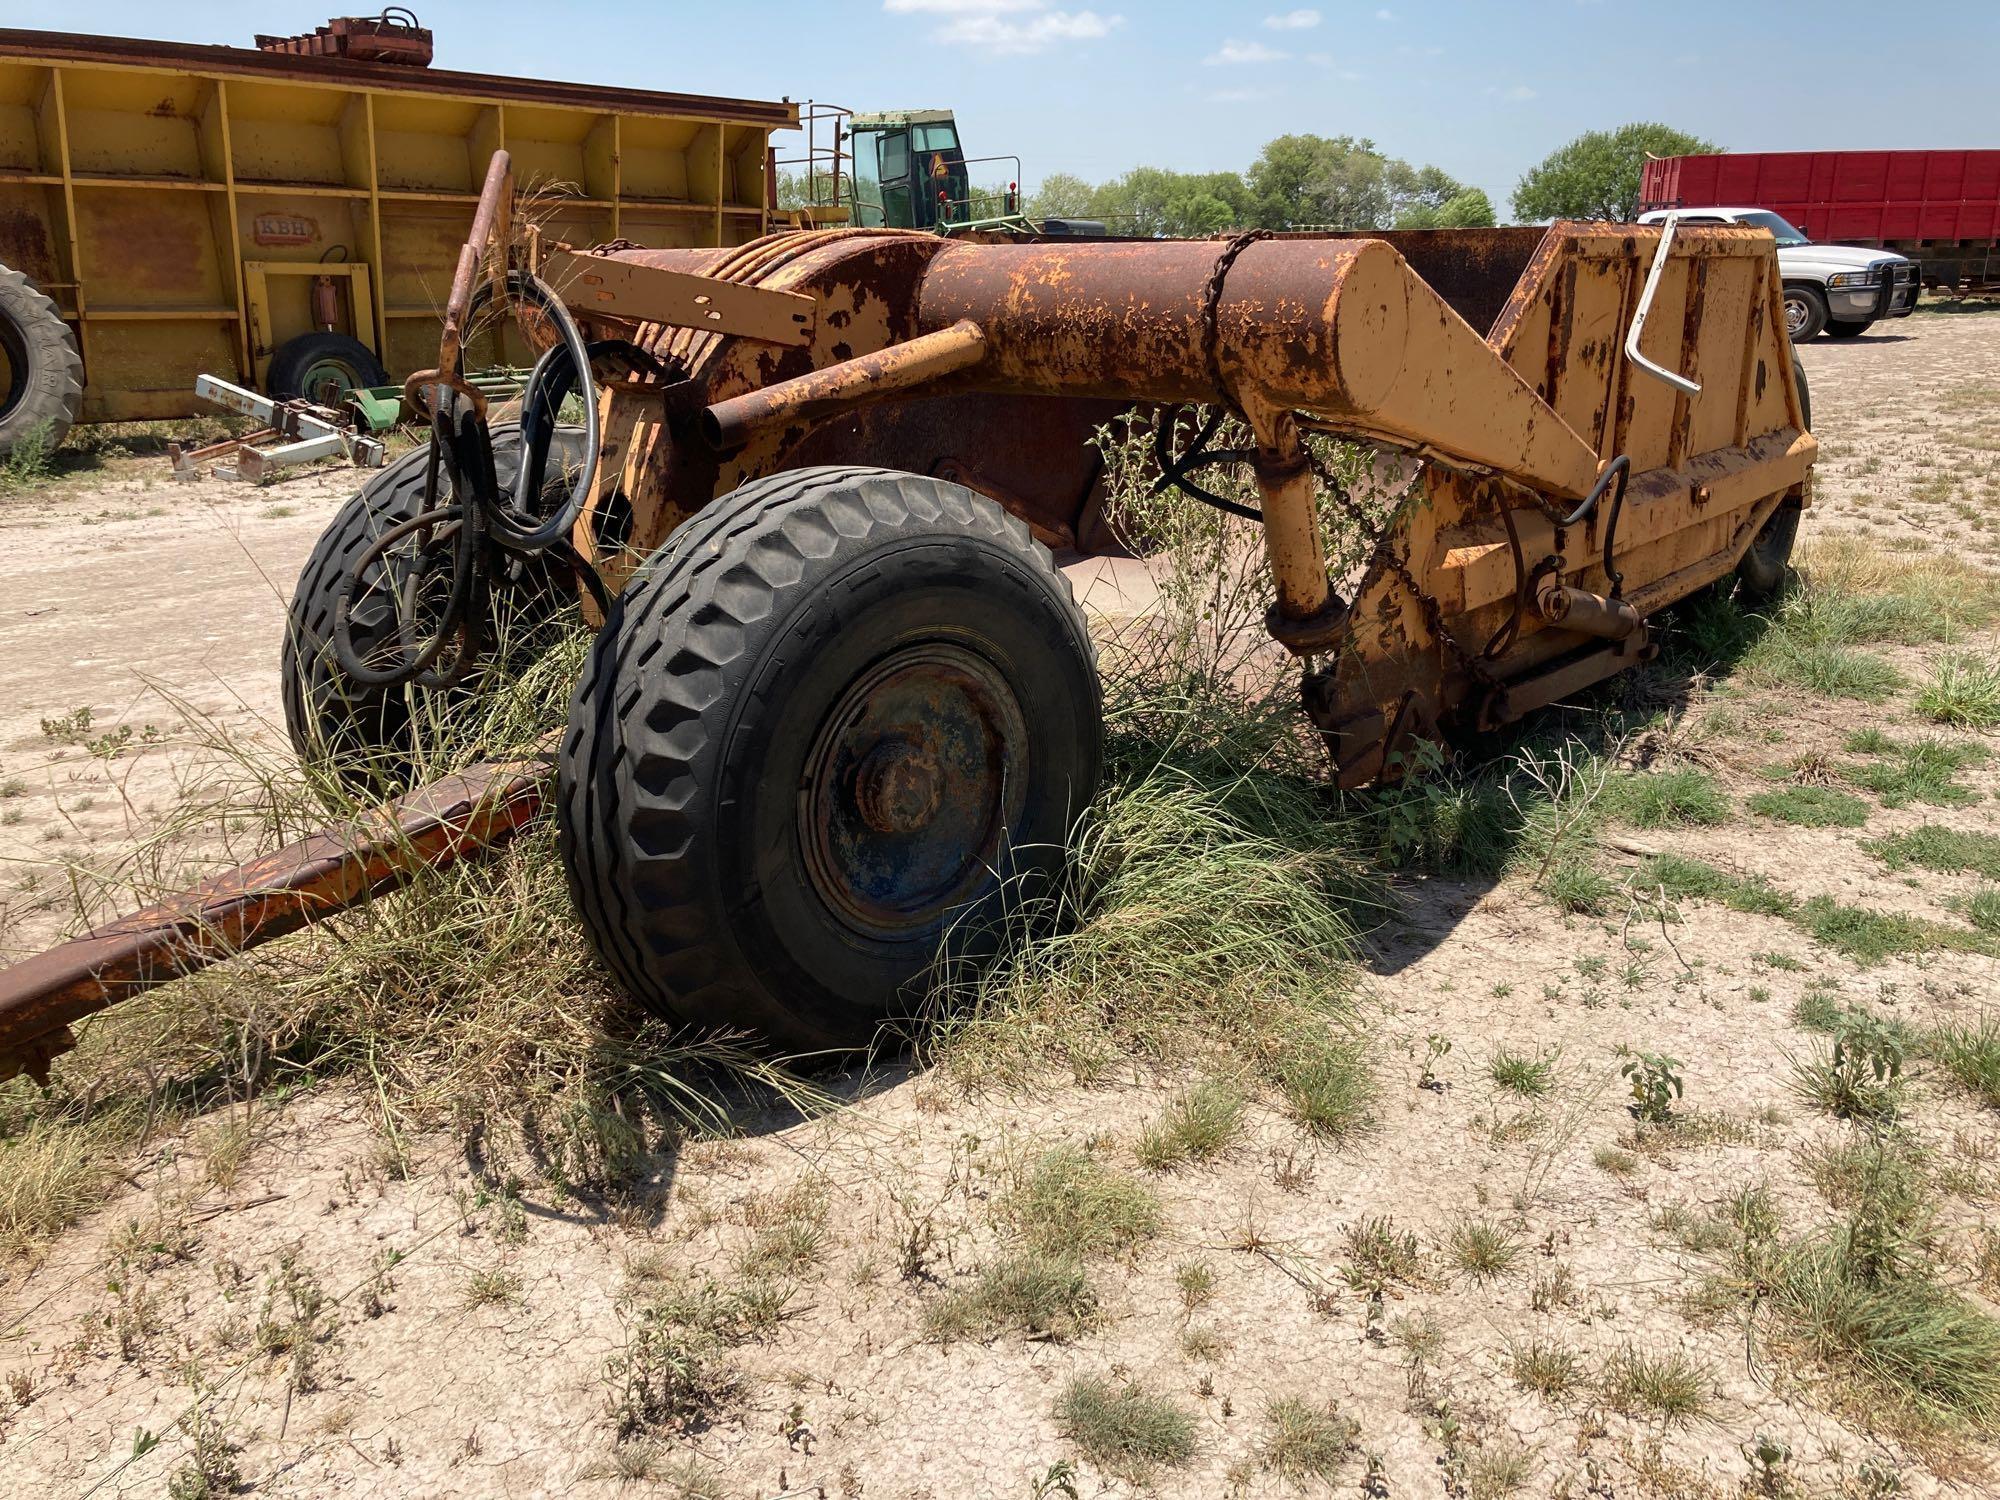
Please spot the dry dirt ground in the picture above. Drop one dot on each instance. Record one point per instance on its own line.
(366, 1330)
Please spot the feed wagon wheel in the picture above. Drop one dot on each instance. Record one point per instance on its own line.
(369, 734)
(41, 373)
(1760, 576)
(840, 726)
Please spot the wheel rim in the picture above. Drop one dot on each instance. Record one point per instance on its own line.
(912, 783)
(13, 367)
(1795, 314)
(324, 373)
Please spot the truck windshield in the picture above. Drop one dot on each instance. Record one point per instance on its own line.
(1781, 231)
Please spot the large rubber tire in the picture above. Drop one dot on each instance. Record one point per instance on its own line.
(367, 733)
(1848, 330)
(1760, 576)
(313, 360)
(41, 373)
(799, 647)
(1805, 312)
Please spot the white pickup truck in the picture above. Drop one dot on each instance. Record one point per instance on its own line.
(1840, 289)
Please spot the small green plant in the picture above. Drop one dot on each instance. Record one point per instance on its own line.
(1860, 1075)
(1530, 1077)
(1655, 1083)
(1125, 1429)
(72, 728)
(671, 1370)
(1378, 1254)
(1195, 1280)
(1437, 1047)
(1483, 1250)
(1197, 1126)
(1305, 1439)
(210, 1470)
(1932, 846)
(1963, 691)
(30, 458)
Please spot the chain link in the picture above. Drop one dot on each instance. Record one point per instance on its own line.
(1433, 612)
(1211, 304)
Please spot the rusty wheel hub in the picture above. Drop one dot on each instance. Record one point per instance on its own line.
(911, 786)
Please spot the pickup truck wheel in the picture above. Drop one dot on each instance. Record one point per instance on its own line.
(837, 729)
(1849, 330)
(1805, 312)
(41, 373)
(1760, 576)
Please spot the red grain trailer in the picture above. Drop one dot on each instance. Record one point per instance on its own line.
(1940, 208)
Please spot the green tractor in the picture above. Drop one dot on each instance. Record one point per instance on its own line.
(905, 169)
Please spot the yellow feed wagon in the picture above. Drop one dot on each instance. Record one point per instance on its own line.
(289, 216)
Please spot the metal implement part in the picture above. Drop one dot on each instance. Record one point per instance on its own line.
(456, 818)
(311, 432)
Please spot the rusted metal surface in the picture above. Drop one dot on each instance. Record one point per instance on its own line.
(603, 286)
(452, 819)
(854, 383)
(382, 38)
(246, 62)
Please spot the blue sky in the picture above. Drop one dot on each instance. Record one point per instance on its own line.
(1482, 90)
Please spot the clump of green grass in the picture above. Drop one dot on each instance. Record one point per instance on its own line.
(1933, 846)
(1197, 1126)
(1305, 1439)
(1868, 936)
(1790, 658)
(1810, 806)
(1546, 1367)
(1982, 909)
(1325, 1080)
(1670, 1385)
(1923, 770)
(29, 460)
(1530, 1077)
(1970, 1054)
(1964, 692)
(1685, 796)
(1484, 1250)
(1682, 878)
(1899, 1331)
(1041, 1295)
(1379, 1254)
(1125, 1429)
(1068, 1202)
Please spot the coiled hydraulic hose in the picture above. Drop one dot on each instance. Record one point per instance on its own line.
(457, 533)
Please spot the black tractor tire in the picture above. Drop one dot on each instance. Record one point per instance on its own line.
(840, 727)
(1805, 312)
(347, 361)
(367, 734)
(1760, 576)
(41, 372)
(1848, 330)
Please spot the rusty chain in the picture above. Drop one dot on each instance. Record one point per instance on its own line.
(1433, 612)
(1211, 307)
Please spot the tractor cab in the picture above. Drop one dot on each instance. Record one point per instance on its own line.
(909, 170)
(898, 169)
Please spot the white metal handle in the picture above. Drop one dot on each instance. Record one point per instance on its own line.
(1679, 382)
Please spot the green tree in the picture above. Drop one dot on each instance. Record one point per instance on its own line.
(1471, 209)
(1341, 182)
(1596, 176)
(1062, 195)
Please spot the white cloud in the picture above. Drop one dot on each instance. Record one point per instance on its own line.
(1009, 26)
(1232, 52)
(1385, 15)
(1519, 93)
(1320, 59)
(1292, 20)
